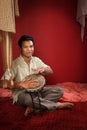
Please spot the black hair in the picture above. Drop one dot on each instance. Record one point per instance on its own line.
(24, 38)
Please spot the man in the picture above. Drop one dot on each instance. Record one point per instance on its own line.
(27, 64)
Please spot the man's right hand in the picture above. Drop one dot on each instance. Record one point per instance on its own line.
(29, 83)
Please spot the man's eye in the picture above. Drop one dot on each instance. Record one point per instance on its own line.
(25, 47)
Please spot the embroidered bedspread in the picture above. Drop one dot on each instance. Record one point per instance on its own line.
(73, 92)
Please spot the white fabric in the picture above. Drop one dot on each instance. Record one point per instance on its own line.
(81, 15)
(21, 69)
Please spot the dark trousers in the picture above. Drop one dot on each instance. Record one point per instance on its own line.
(48, 97)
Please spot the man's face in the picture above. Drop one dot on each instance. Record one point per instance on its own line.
(27, 49)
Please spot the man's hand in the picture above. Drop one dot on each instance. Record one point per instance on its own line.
(43, 71)
(39, 70)
(29, 83)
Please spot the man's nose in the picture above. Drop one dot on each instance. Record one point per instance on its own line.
(29, 48)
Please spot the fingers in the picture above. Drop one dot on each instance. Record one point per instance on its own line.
(36, 71)
(39, 70)
(29, 83)
(34, 85)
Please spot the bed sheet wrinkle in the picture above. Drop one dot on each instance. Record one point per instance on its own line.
(5, 92)
(73, 92)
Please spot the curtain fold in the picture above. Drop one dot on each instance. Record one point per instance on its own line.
(81, 15)
(6, 51)
(8, 10)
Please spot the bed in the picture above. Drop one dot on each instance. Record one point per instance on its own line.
(12, 116)
(74, 92)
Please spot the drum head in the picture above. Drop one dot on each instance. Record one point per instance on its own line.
(40, 79)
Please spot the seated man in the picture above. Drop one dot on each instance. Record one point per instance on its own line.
(27, 64)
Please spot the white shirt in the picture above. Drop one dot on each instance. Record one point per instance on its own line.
(21, 69)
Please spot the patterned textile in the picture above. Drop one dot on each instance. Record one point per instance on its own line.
(73, 92)
(8, 10)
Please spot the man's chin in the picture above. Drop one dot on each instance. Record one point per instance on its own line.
(28, 56)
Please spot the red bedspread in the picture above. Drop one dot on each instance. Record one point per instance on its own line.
(5, 92)
(73, 92)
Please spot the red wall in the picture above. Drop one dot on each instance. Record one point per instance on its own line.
(53, 25)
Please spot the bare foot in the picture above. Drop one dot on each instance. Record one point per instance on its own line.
(28, 111)
(65, 105)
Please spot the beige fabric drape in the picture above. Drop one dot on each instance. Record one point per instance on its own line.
(81, 15)
(8, 10)
(6, 51)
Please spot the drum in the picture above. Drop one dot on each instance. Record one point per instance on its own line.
(41, 80)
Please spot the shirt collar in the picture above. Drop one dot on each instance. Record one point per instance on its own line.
(21, 57)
